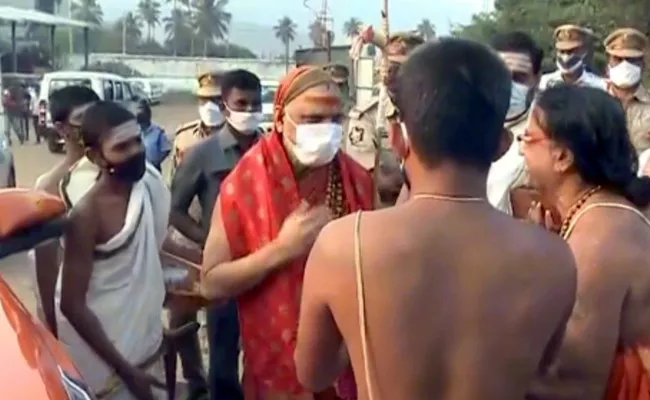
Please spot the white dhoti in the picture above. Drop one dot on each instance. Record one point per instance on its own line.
(126, 291)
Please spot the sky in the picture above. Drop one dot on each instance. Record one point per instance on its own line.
(404, 14)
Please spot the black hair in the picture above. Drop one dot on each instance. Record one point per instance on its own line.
(240, 79)
(99, 119)
(453, 96)
(593, 125)
(63, 101)
(519, 42)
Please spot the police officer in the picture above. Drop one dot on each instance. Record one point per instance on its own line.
(361, 135)
(572, 44)
(188, 135)
(340, 76)
(210, 120)
(626, 49)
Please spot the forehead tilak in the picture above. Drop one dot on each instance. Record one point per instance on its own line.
(124, 132)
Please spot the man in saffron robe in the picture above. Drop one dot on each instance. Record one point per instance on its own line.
(269, 212)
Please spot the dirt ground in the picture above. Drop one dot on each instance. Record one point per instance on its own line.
(32, 160)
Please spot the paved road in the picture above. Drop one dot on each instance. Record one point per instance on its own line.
(33, 160)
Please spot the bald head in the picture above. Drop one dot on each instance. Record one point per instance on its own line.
(453, 96)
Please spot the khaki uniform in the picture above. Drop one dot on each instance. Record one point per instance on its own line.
(630, 43)
(191, 133)
(361, 137)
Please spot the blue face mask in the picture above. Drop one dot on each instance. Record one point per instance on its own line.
(569, 63)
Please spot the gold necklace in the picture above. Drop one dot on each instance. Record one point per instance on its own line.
(566, 223)
(443, 197)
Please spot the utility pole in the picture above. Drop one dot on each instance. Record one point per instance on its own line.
(124, 19)
(326, 22)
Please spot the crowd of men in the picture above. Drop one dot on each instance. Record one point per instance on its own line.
(514, 266)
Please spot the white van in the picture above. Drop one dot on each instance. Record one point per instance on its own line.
(107, 86)
(153, 89)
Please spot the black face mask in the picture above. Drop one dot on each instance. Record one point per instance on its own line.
(130, 170)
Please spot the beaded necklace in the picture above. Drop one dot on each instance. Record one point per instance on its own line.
(566, 223)
(334, 193)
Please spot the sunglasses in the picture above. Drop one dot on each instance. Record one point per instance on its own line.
(529, 138)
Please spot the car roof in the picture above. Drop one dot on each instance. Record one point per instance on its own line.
(81, 74)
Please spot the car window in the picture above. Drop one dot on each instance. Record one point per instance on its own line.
(268, 96)
(119, 93)
(128, 93)
(59, 83)
(109, 93)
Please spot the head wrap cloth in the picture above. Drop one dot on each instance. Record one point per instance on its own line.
(297, 82)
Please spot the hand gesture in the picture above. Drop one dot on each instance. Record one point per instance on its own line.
(140, 384)
(300, 229)
(537, 214)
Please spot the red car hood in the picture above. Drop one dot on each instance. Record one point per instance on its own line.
(32, 357)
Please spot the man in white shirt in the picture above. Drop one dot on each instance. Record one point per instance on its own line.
(507, 175)
(571, 44)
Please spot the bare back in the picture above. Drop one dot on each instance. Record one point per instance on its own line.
(462, 301)
(624, 232)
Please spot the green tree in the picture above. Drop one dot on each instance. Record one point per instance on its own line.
(87, 10)
(319, 34)
(351, 27)
(177, 29)
(426, 29)
(129, 28)
(149, 11)
(540, 19)
(212, 21)
(285, 30)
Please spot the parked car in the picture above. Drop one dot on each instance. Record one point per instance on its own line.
(151, 88)
(107, 86)
(37, 365)
(268, 98)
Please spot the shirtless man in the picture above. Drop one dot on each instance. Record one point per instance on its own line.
(584, 165)
(111, 288)
(66, 108)
(440, 322)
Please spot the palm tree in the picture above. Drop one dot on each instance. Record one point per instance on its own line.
(426, 29)
(87, 10)
(318, 34)
(285, 30)
(130, 27)
(351, 27)
(212, 21)
(150, 13)
(177, 29)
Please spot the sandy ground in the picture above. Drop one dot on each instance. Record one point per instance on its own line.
(32, 160)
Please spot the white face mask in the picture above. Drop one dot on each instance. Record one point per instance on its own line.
(244, 122)
(210, 114)
(316, 144)
(518, 100)
(625, 74)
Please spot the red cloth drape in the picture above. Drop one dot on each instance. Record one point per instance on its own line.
(629, 379)
(255, 199)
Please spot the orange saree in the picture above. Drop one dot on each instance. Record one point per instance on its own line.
(256, 197)
(629, 379)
